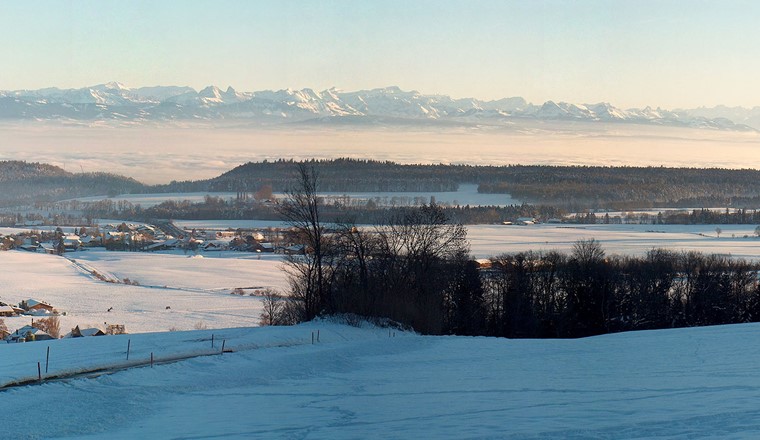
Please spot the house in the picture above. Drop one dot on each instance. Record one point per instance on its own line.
(28, 333)
(296, 249)
(48, 248)
(32, 305)
(71, 242)
(163, 245)
(90, 240)
(215, 245)
(7, 311)
(263, 247)
(525, 221)
(30, 247)
(76, 332)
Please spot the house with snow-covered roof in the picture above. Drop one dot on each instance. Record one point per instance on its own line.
(76, 332)
(71, 242)
(7, 311)
(525, 221)
(32, 305)
(28, 333)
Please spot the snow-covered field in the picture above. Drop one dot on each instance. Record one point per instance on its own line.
(196, 289)
(360, 383)
(148, 200)
(490, 240)
(467, 194)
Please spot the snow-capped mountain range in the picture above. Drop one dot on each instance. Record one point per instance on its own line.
(384, 106)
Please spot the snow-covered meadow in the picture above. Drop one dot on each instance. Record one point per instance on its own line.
(361, 383)
(490, 240)
(467, 194)
(195, 289)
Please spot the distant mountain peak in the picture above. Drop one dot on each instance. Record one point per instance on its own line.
(386, 105)
(115, 85)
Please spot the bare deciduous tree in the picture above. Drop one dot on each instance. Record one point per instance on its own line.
(309, 273)
(51, 326)
(274, 306)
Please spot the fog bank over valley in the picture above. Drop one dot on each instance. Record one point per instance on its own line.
(160, 154)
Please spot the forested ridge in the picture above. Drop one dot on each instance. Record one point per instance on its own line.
(571, 188)
(28, 182)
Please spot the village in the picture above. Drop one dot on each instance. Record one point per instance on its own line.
(44, 324)
(163, 237)
(143, 237)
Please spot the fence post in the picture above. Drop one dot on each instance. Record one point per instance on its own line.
(212, 340)
(312, 337)
(223, 341)
(129, 343)
(39, 372)
(317, 335)
(47, 359)
(151, 359)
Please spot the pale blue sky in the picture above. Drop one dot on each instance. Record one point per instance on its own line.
(673, 53)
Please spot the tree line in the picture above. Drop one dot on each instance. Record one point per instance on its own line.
(571, 188)
(414, 268)
(587, 293)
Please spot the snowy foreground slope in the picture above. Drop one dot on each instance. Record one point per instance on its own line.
(360, 383)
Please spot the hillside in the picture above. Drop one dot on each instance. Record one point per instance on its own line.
(361, 383)
(25, 182)
(569, 187)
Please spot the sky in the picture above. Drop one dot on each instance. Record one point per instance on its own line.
(672, 53)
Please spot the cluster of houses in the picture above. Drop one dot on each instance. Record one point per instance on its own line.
(144, 237)
(210, 241)
(29, 307)
(32, 332)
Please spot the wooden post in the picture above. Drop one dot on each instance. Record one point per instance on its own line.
(39, 372)
(151, 359)
(129, 343)
(212, 340)
(223, 341)
(47, 359)
(312, 337)
(317, 335)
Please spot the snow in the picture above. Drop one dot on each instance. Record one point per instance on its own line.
(153, 199)
(360, 383)
(215, 271)
(467, 194)
(490, 240)
(197, 290)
